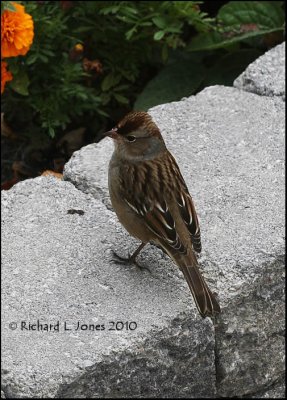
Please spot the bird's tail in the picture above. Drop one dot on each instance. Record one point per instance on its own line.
(204, 299)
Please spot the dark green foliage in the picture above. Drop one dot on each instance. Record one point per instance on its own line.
(180, 78)
(129, 40)
(241, 20)
(241, 32)
(141, 53)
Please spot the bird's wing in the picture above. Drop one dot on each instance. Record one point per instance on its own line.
(188, 214)
(154, 180)
(158, 218)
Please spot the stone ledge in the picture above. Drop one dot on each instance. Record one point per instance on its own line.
(235, 175)
(230, 147)
(266, 75)
(58, 267)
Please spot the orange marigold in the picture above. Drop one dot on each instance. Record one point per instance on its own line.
(5, 75)
(17, 32)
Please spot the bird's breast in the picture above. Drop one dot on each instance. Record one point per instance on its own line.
(131, 221)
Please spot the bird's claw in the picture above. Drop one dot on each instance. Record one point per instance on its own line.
(129, 260)
(121, 260)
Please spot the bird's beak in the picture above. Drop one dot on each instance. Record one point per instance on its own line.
(113, 133)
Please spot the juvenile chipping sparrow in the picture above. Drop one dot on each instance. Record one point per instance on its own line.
(151, 200)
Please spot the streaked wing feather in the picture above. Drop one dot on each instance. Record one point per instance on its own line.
(160, 221)
(149, 183)
(189, 216)
(186, 206)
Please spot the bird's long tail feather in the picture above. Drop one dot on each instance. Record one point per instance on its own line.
(204, 299)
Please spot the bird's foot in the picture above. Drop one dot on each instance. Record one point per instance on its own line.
(127, 260)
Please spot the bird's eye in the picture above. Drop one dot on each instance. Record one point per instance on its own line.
(131, 138)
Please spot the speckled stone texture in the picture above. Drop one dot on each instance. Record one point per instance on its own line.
(58, 266)
(235, 172)
(266, 75)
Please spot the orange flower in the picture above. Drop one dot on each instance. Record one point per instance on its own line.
(17, 32)
(5, 75)
(79, 47)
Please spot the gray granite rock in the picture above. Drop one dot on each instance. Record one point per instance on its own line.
(230, 147)
(87, 169)
(276, 391)
(57, 266)
(266, 75)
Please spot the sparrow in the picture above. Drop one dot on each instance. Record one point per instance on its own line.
(152, 201)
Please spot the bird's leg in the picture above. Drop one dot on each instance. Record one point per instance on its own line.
(131, 259)
(138, 250)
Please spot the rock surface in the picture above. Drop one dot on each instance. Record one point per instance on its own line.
(276, 391)
(266, 75)
(236, 175)
(57, 266)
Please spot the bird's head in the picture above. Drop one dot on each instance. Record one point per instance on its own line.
(136, 137)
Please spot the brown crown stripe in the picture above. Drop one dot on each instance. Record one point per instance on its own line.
(134, 121)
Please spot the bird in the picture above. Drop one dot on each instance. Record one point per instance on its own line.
(151, 200)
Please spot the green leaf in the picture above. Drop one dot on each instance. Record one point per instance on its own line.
(130, 32)
(174, 29)
(265, 14)
(8, 6)
(14, 66)
(177, 80)
(120, 87)
(147, 23)
(43, 58)
(51, 131)
(82, 29)
(20, 83)
(230, 66)
(105, 98)
(109, 10)
(159, 22)
(31, 58)
(103, 113)
(109, 81)
(129, 10)
(121, 99)
(241, 20)
(47, 52)
(83, 96)
(158, 35)
(216, 40)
